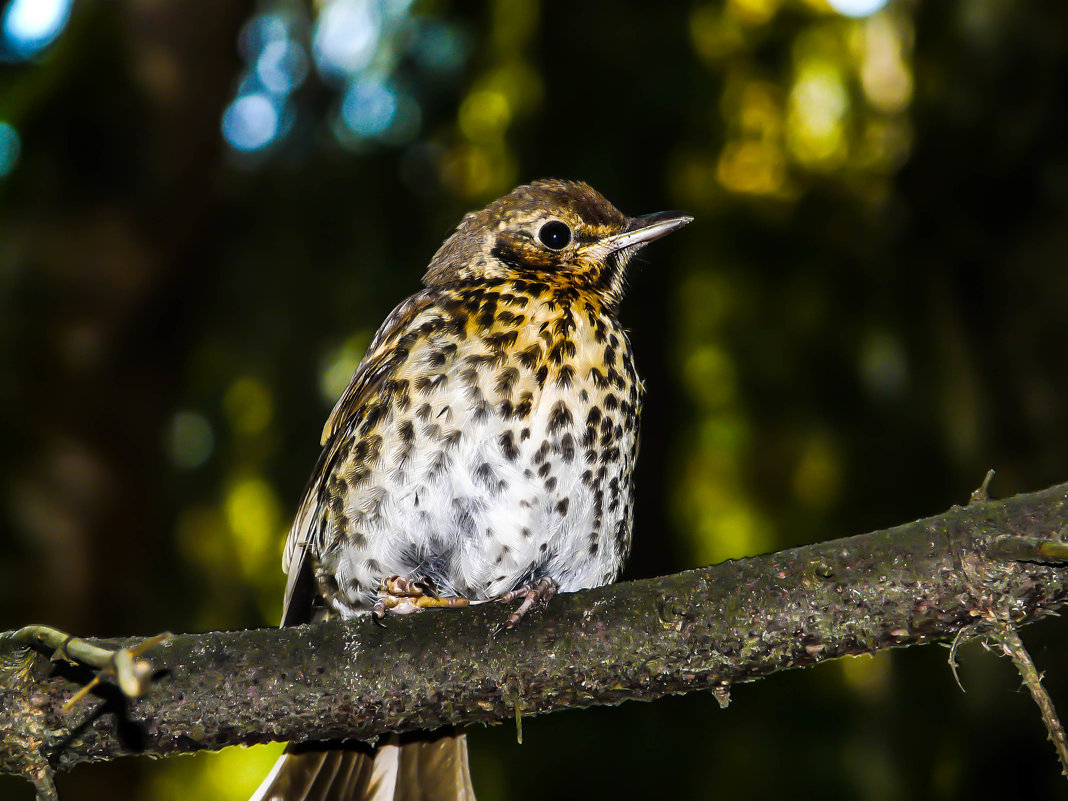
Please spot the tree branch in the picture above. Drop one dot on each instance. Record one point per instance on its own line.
(990, 562)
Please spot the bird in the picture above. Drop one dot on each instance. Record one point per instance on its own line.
(483, 451)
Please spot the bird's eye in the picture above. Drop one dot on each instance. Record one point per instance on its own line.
(555, 234)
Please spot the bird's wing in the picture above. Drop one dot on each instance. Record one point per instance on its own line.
(381, 359)
(385, 353)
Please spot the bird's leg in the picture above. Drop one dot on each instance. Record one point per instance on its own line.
(541, 590)
(403, 596)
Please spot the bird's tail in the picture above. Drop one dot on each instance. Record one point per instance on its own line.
(420, 766)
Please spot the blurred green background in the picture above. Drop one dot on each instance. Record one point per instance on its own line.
(207, 208)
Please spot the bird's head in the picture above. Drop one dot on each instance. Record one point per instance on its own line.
(549, 231)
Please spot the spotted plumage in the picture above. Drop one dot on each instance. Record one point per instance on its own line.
(485, 446)
(459, 455)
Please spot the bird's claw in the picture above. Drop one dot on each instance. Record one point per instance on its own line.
(403, 596)
(541, 590)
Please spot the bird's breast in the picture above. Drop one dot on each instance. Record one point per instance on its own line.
(508, 458)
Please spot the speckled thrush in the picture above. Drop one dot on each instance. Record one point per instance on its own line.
(483, 450)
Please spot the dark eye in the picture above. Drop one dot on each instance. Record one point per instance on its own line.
(555, 235)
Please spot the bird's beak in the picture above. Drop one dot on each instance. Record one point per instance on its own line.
(644, 229)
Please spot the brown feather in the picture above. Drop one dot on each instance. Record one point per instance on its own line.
(424, 766)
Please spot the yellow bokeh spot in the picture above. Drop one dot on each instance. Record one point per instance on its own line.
(753, 12)
(228, 775)
(466, 170)
(817, 478)
(759, 114)
(752, 161)
(252, 514)
(722, 437)
(709, 375)
(751, 167)
(884, 73)
(868, 675)
(477, 171)
(249, 405)
(884, 143)
(516, 82)
(713, 506)
(484, 116)
(730, 530)
(816, 117)
(339, 365)
(715, 35)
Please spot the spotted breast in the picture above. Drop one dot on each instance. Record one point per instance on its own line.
(487, 440)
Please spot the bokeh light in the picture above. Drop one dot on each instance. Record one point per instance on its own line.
(232, 774)
(254, 517)
(870, 676)
(10, 147)
(484, 115)
(370, 55)
(817, 477)
(347, 37)
(753, 161)
(439, 46)
(249, 405)
(281, 66)
(883, 365)
(29, 26)
(189, 439)
(819, 105)
(369, 107)
(339, 365)
(856, 8)
(884, 71)
(251, 122)
(262, 112)
(753, 12)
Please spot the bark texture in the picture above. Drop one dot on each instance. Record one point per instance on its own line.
(981, 565)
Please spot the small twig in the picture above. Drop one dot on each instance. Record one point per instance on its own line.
(980, 495)
(1014, 648)
(1029, 549)
(518, 720)
(131, 674)
(513, 692)
(45, 786)
(962, 635)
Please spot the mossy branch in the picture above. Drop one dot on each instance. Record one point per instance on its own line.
(992, 562)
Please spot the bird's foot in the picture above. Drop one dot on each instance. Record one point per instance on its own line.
(403, 596)
(541, 590)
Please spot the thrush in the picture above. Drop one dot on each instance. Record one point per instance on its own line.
(483, 450)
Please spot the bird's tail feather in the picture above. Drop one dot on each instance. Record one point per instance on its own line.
(414, 767)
